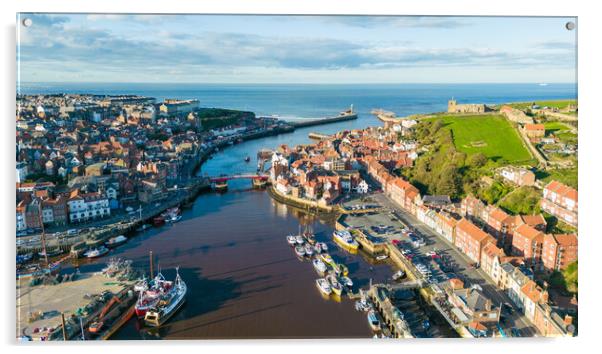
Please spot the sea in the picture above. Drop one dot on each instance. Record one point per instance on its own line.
(244, 280)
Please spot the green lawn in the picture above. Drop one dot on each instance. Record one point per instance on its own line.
(491, 135)
(567, 176)
(553, 127)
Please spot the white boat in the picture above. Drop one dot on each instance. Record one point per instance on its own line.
(291, 240)
(116, 241)
(336, 287)
(299, 239)
(168, 303)
(344, 238)
(300, 250)
(319, 265)
(96, 252)
(373, 321)
(309, 249)
(381, 257)
(324, 286)
(324, 247)
(398, 275)
(346, 281)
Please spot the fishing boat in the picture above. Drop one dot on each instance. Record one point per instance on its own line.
(168, 303)
(324, 286)
(291, 240)
(346, 281)
(309, 249)
(299, 239)
(373, 321)
(116, 241)
(35, 270)
(327, 259)
(336, 287)
(319, 265)
(150, 292)
(398, 275)
(300, 250)
(96, 252)
(344, 238)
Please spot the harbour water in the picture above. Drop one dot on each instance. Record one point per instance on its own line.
(244, 279)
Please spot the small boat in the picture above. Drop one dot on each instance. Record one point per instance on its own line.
(342, 269)
(373, 321)
(327, 259)
(319, 265)
(336, 287)
(309, 250)
(346, 281)
(323, 246)
(398, 275)
(96, 252)
(247, 158)
(344, 238)
(300, 250)
(299, 239)
(116, 241)
(291, 240)
(168, 304)
(363, 305)
(324, 286)
(318, 248)
(381, 257)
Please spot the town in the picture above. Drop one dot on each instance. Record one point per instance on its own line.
(513, 254)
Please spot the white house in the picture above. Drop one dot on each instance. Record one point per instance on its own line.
(362, 187)
(88, 207)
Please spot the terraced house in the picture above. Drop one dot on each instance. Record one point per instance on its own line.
(560, 200)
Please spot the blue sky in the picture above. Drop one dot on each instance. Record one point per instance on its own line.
(294, 49)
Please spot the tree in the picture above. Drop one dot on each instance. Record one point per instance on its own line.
(450, 181)
(477, 160)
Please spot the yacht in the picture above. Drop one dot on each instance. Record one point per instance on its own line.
(309, 249)
(291, 240)
(300, 250)
(319, 265)
(344, 238)
(324, 286)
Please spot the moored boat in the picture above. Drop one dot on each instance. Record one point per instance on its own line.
(96, 252)
(324, 286)
(299, 239)
(150, 292)
(323, 246)
(327, 259)
(300, 250)
(291, 240)
(344, 238)
(168, 303)
(116, 241)
(373, 321)
(336, 287)
(309, 250)
(398, 275)
(319, 265)
(346, 281)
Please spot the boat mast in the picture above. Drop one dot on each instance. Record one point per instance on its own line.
(151, 264)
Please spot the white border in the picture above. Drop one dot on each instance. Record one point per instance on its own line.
(589, 134)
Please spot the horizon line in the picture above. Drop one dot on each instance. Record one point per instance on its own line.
(298, 83)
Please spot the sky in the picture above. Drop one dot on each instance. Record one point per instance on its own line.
(294, 49)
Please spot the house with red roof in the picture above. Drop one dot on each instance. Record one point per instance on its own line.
(559, 251)
(471, 240)
(561, 201)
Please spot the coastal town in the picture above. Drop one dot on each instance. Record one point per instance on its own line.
(482, 229)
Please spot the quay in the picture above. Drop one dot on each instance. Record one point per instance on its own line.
(40, 308)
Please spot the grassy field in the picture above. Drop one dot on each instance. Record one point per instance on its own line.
(491, 135)
(568, 176)
(560, 104)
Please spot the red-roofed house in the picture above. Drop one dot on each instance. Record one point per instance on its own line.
(471, 240)
(559, 251)
(528, 242)
(535, 130)
(560, 200)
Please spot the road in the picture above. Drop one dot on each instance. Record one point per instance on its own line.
(470, 274)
